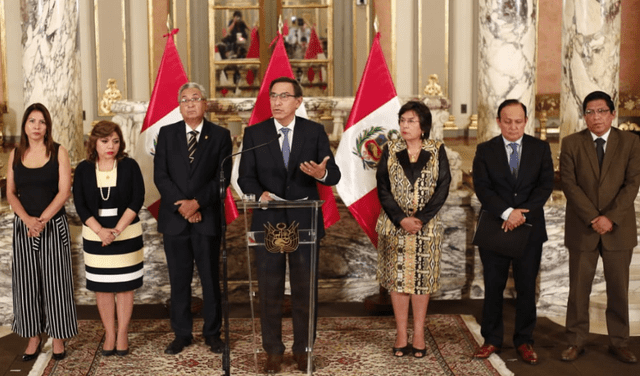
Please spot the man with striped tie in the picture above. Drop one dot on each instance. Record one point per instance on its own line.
(186, 173)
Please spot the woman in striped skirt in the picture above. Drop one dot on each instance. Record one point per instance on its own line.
(38, 185)
(108, 191)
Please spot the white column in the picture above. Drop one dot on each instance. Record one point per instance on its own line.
(506, 60)
(591, 56)
(51, 67)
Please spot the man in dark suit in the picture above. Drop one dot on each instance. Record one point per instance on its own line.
(600, 170)
(289, 169)
(513, 178)
(186, 172)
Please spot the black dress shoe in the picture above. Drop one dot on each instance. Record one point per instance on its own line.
(108, 352)
(177, 345)
(29, 357)
(124, 352)
(215, 343)
(273, 363)
(301, 361)
(59, 356)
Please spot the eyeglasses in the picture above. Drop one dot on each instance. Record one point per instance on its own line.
(599, 111)
(282, 96)
(409, 121)
(191, 100)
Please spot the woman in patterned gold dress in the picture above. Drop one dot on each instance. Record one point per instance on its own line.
(413, 183)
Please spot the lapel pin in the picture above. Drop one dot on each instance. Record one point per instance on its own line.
(206, 137)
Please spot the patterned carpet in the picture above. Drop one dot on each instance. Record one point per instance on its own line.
(345, 346)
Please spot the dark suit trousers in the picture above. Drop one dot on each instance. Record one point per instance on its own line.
(181, 251)
(271, 277)
(496, 273)
(582, 269)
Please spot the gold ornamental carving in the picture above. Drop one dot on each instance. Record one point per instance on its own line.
(281, 239)
(451, 123)
(109, 97)
(433, 88)
(473, 121)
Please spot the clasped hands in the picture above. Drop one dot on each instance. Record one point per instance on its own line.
(516, 218)
(602, 224)
(188, 209)
(35, 226)
(411, 225)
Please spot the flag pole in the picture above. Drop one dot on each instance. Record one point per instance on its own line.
(226, 356)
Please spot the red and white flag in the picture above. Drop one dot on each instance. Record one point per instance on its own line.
(164, 109)
(279, 66)
(372, 122)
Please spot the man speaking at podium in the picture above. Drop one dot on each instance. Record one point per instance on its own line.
(290, 169)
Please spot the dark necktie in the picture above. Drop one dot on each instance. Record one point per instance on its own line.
(600, 150)
(192, 145)
(286, 149)
(513, 159)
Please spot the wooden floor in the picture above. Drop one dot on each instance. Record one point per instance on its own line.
(549, 337)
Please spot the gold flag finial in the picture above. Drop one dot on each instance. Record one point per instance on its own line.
(375, 24)
(280, 24)
(168, 23)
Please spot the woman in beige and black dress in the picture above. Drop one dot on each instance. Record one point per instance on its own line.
(413, 183)
(38, 185)
(108, 191)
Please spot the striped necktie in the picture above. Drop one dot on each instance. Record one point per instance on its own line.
(192, 145)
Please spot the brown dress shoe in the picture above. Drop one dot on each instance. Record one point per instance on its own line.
(273, 363)
(623, 354)
(485, 351)
(301, 361)
(527, 354)
(571, 353)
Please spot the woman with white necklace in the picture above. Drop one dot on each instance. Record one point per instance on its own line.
(108, 190)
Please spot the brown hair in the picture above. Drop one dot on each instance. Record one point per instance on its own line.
(101, 130)
(24, 140)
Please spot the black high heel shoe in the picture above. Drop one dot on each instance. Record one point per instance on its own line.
(29, 357)
(419, 353)
(402, 350)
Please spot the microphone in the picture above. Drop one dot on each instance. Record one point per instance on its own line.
(245, 150)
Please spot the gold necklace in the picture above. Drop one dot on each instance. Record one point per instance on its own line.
(413, 157)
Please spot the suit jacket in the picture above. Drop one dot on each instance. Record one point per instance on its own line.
(498, 190)
(128, 192)
(177, 179)
(263, 169)
(591, 192)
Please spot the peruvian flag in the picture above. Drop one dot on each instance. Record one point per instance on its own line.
(373, 118)
(278, 67)
(254, 48)
(164, 109)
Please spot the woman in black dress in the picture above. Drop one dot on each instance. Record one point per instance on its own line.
(38, 185)
(108, 190)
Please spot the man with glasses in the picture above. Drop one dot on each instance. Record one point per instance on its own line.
(600, 170)
(289, 168)
(186, 173)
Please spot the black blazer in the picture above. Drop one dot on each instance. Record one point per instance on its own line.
(263, 169)
(128, 193)
(498, 190)
(177, 179)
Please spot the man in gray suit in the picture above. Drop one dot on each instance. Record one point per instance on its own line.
(600, 170)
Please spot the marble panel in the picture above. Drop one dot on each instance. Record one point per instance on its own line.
(506, 60)
(51, 67)
(590, 56)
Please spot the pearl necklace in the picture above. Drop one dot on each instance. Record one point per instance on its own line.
(107, 177)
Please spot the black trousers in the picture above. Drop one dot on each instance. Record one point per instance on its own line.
(182, 251)
(271, 278)
(496, 273)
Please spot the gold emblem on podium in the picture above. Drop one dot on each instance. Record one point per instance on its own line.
(281, 239)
